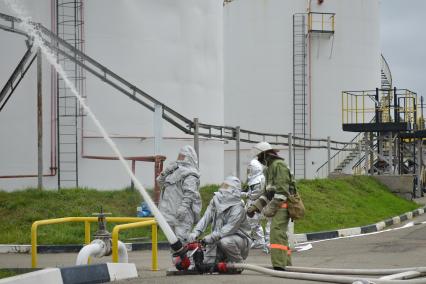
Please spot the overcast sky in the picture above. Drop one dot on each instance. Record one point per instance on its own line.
(403, 40)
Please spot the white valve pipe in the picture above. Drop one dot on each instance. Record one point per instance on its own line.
(96, 248)
(122, 253)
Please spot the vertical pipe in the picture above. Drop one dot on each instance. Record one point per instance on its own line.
(86, 232)
(237, 152)
(158, 128)
(154, 248)
(132, 184)
(396, 106)
(158, 169)
(328, 156)
(290, 151)
(39, 121)
(196, 139)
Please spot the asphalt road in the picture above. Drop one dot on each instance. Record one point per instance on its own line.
(397, 248)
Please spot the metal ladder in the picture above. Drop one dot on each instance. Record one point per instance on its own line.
(300, 116)
(69, 27)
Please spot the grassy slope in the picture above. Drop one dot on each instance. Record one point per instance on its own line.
(347, 202)
(330, 204)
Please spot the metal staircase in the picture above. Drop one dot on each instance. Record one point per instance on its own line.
(344, 158)
(300, 114)
(69, 28)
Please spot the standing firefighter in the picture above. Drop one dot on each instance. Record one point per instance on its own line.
(274, 202)
(256, 183)
(229, 239)
(180, 201)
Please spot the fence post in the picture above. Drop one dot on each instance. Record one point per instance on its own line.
(328, 155)
(196, 139)
(158, 128)
(366, 144)
(237, 152)
(39, 121)
(419, 167)
(290, 151)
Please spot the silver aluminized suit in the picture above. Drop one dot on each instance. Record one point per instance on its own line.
(180, 200)
(230, 236)
(256, 183)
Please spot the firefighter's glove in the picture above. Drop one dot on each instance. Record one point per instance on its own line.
(193, 237)
(251, 210)
(181, 213)
(272, 207)
(210, 239)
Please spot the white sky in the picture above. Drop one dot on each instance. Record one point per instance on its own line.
(403, 40)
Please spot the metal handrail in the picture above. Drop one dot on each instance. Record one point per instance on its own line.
(332, 158)
(86, 220)
(154, 250)
(178, 120)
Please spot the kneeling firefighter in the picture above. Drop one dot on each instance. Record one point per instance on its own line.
(273, 202)
(229, 240)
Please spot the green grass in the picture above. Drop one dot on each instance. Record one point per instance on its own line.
(330, 204)
(9, 272)
(347, 202)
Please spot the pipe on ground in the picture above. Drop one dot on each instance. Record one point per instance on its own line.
(317, 277)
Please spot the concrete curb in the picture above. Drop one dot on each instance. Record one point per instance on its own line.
(299, 238)
(96, 273)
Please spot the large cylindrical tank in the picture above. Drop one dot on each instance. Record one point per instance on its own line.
(258, 76)
(170, 49)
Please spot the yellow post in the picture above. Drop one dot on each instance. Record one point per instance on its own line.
(332, 23)
(356, 109)
(34, 245)
(363, 108)
(343, 101)
(86, 232)
(154, 247)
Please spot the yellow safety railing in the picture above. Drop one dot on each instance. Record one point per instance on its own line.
(86, 220)
(361, 106)
(321, 22)
(119, 228)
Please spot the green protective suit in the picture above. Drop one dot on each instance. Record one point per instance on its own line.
(278, 180)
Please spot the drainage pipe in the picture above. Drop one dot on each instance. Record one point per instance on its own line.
(316, 277)
(96, 248)
(122, 253)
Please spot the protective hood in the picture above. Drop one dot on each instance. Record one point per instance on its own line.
(225, 198)
(187, 166)
(254, 172)
(191, 159)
